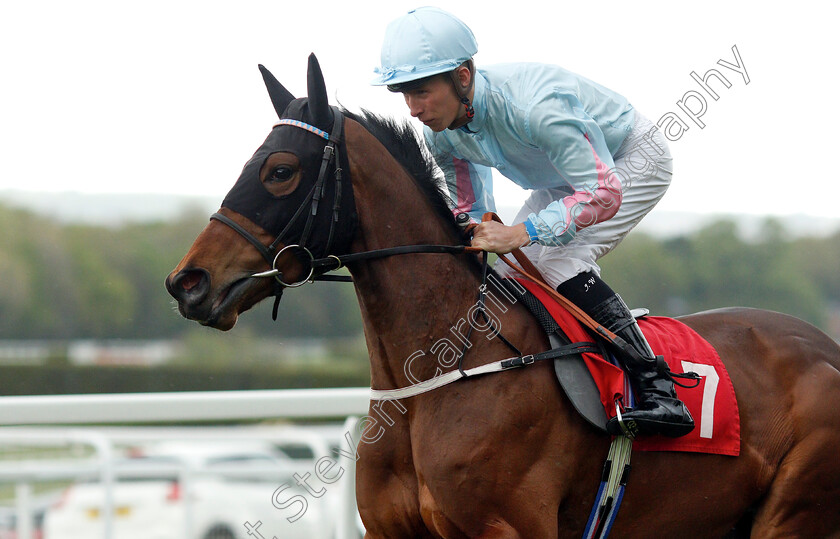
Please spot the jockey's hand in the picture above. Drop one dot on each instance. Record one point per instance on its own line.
(501, 239)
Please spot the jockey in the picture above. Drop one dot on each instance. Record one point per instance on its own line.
(594, 164)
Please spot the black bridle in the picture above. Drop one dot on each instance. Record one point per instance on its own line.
(319, 267)
(270, 252)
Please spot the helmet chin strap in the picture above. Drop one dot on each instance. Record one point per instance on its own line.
(463, 94)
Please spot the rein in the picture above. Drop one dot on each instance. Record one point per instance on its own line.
(318, 267)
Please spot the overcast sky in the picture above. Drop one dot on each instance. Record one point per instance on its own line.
(165, 96)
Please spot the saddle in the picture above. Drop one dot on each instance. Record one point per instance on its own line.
(594, 382)
(572, 373)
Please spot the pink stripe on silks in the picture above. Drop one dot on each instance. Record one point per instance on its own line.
(463, 181)
(599, 205)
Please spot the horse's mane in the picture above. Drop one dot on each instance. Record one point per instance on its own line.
(403, 143)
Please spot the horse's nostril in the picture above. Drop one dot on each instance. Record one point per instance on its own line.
(189, 285)
(189, 281)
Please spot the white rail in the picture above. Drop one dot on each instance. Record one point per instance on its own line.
(183, 406)
(138, 408)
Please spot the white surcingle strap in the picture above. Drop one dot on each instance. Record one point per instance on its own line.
(434, 383)
(503, 365)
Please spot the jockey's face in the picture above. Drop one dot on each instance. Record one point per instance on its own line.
(435, 103)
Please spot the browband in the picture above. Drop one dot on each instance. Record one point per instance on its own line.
(303, 125)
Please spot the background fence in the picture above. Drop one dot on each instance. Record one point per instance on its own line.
(36, 432)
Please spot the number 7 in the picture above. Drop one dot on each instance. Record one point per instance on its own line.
(707, 409)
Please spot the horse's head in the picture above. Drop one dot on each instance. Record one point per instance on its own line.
(289, 205)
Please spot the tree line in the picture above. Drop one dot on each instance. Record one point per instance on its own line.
(71, 281)
(75, 281)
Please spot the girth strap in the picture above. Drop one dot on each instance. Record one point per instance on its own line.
(611, 491)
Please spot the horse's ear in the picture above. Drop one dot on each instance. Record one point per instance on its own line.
(280, 96)
(319, 105)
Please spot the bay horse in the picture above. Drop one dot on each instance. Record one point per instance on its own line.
(503, 455)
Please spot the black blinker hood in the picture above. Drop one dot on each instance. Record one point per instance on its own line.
(251, 199)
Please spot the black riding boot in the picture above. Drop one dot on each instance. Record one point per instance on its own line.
(657, 410)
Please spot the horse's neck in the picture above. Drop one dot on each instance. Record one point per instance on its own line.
(409, 303)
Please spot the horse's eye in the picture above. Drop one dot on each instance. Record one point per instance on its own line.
(280, 174)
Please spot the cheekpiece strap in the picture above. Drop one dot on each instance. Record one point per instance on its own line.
(303, 125)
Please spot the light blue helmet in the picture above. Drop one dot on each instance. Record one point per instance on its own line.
(424, 42)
